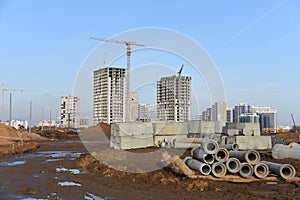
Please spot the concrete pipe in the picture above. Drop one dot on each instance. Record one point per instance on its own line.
(246, 170)
(196, 165)
(234, 146)
(210, 146)
(200, 155)
(261, 170)
(250, 156)
(286, 171)
(281, 151)
(218, 169)
(233, 165)
(222, 155)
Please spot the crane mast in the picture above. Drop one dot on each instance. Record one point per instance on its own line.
(3, 90)
(295, 127)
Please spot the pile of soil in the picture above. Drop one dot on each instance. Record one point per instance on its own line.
(98, 131)
(13, 141)
(289, 137)
(166, 180)
(58, 134)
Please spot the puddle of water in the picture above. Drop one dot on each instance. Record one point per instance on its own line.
(13, 196)
(94, 142)
(53, 160)
(11, 164)
(59, 154)
(73, 171)
(36, 176)
(68, 183)
(90, 196)
(53, 155)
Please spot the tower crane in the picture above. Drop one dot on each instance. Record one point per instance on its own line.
(295, 127)
(128, 53)
(181, 68)
(3, 90)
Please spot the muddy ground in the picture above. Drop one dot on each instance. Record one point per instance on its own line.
(41, 175)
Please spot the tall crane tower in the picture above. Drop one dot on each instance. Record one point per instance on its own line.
(128, 53)
(3, 90)
(295, 127)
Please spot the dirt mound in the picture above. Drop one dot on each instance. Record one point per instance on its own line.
(97, 131)
(15, 142)
(8, 134)
(58, 134)
(289, 137)
(165, 180)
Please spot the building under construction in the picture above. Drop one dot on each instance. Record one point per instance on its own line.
(110, 95)
(174, 98)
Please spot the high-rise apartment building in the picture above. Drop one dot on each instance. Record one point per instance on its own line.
(174, 98)
(109, 95)
(229, 115)
(147, 112)
(207, 115)
(219, 112)
(70, 109)
(267, 118)
(249, 118)
(239, 109)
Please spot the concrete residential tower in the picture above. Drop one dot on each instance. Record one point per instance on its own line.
(69, 115)
(174, 98)
(109, 95)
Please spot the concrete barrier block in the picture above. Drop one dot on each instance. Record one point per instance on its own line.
(130, 142)
(232, 132)
(170, 128)
(254, 142)
(132, 129)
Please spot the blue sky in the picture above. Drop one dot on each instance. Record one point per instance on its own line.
(254, 44)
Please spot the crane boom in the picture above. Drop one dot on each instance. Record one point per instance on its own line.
(118, 41)
(2, 92)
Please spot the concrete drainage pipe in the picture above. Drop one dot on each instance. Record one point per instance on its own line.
(286, 171)
(196, 165)
(222, 155)
(261, 170)
(200, 155)
(218, 169)
(233, 165)
(250, 156)
(246, 170)
(234, 146)
(210, 146)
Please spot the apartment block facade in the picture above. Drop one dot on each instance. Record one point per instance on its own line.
(109, 95)
(174, 98)
(70, 112)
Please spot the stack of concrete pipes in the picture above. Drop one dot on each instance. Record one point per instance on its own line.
(218, 160)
